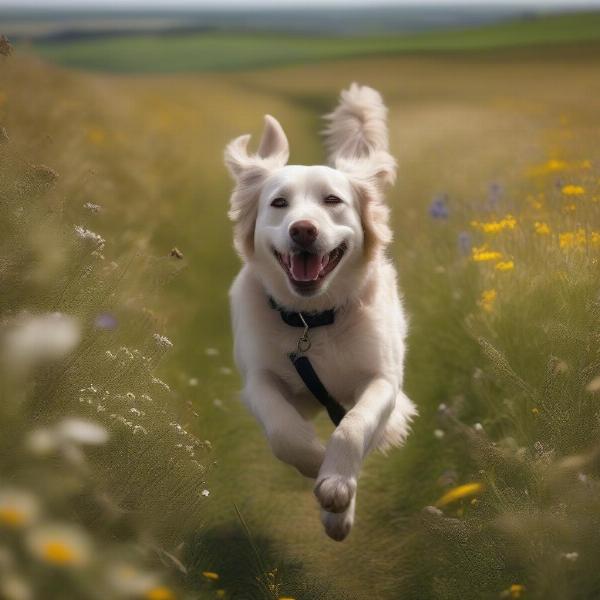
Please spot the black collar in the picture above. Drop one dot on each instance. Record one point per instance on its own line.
(313, 319)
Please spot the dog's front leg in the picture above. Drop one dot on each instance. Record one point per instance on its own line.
(291, 437)
(350, 443)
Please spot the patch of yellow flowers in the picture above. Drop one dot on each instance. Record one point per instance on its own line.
(508, 222)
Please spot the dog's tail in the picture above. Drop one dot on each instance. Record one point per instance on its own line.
(357, 128)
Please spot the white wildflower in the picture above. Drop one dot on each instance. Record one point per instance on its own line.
(570, 556)
(127, 580)
(594, 385)
(95, 208)
(163, 341)
(478, 427)
(439, 434)
(18, 508)
(193, 381)
(205, 493)
(86, 234)
(225, 371)
(83, 432)
(61, 545)
(31, 339)
(211, 352)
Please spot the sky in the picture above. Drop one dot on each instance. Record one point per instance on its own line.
(282, 3)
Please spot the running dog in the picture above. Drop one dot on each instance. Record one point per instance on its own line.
(317, 317)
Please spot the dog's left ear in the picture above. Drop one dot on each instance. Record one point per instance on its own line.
(250, 172)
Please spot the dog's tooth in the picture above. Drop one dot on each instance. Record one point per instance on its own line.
(324, 261)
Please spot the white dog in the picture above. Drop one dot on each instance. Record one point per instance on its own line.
(317, 317)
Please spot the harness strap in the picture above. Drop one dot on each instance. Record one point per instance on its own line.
(315, 386)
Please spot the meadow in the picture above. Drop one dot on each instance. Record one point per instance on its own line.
(496, 216)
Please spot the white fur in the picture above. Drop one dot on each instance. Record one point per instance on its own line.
(360, 357)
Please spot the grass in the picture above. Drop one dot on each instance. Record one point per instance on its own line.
(223, 51)
(478, 128)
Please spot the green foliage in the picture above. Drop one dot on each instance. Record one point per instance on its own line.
(223, 51)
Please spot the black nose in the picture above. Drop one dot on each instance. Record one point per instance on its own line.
(304, 233)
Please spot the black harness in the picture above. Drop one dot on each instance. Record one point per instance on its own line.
(302, 363)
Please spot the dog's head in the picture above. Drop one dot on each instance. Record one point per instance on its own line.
(311, 231)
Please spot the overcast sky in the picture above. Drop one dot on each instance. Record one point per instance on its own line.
(275, 3)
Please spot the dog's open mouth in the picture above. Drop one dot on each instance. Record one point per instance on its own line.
(307, 270)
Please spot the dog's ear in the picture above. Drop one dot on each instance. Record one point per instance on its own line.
(273, 151)
(249, 172)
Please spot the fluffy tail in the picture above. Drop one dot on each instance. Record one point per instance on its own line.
(357, 128)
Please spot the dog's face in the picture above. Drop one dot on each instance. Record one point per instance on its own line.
(308, 231)
(308, 228)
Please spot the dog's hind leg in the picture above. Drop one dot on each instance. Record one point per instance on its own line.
(291, 437)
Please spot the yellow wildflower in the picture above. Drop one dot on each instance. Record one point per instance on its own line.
(595, 238)
(585, 164)
(508, 222)
(506, 265)
(160, 593)
(550, 166)
(210, 575)
(487, 300)
(569, 208)
(481, 253)
(573, 190)
(95, 135)
(535, 411)
(516, 590)
(572, 239)
(462, 491)
(541, 228)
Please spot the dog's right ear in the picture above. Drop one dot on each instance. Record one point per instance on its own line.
(249, 172)
(273, 151)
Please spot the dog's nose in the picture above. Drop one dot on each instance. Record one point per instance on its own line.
(304, 233)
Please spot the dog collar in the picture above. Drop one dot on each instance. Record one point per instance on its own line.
(304, 319)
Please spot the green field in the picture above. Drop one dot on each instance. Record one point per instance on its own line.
(214, 51)
(508, 346)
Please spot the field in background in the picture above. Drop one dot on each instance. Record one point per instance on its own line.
(475, 135)
(181, 52)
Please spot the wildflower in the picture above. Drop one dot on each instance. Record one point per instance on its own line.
(507, 265)
(60, 545)
(478, 427)
(572, 239)
(176, 253)
(228, 371)
(160, 593)
(127, 580)
(462, 491)
(95, 135)
(488, 297)
(95, 208)
(570, 556)
(516, 590)
(495, 192)
(508, 222)
(482, 254)
(163, 341)
(569, 208)
(594, 385)
(86, 234)
(595, 238)
(464, 243)
(106, 321)
(205, 493)
(535, 411)
(438, 434)
(33, 339)
(210, 575)
(81, 431)
(17, 508)
(211, 352)
(541, 228)
(438, 209)
(573, 190)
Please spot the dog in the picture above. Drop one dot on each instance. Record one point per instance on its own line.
(316, 313)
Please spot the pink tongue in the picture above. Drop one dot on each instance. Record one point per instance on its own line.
(305, 267)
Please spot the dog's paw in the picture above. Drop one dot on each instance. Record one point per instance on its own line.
(338, 526)
(335, 493)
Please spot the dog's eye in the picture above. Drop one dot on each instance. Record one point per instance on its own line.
(279, 203)
(331, 199)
